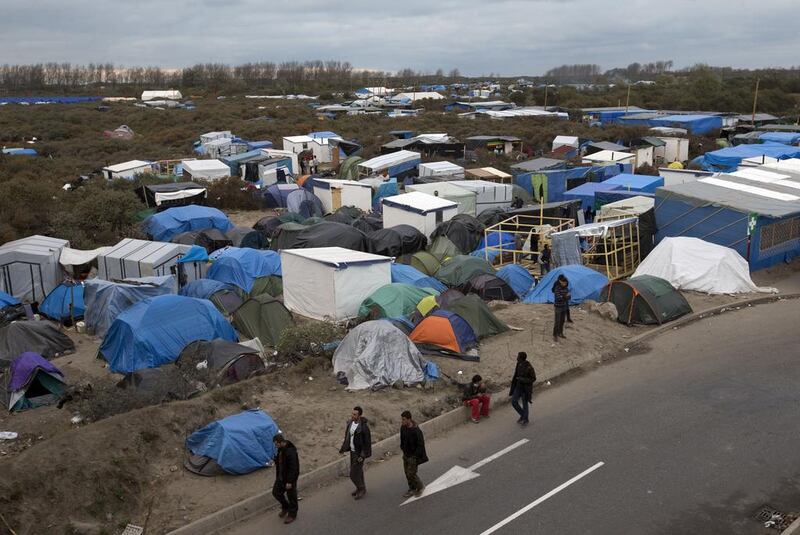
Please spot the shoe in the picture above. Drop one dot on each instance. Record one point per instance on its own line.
(283, 513)
(520, 420)
(419, 492)
(562, 336)
(570, 321)
(354, 492)
(475, 420)
(288, 520)
(408, 494)
(555, 338)
(360, 494)
(523, 423)
(484, 416)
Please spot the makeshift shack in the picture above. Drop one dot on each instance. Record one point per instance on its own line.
(489, 195)
(133, 258)
(337, 193)
(29, 267)
(205, 170)
(465, 199)
(419, 210)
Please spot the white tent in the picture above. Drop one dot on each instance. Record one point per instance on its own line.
(170, 94)
(331, 282)
(694, 264)
(490, 194)
(401, 160)
(29, 268)
(420, 210)
(570, 141)
(377, 354)
(205, 169)
(132, 258)
(337, 193)
(128, 170)
(441, 169)
(419, 95)
(465, 198)
(608, 156)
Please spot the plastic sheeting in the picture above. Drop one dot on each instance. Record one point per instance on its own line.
(242, 266)
(694, 264)
(584, 283)
(239, 444)
(42, 337)
(377, 354)
(396, 241)
(173, 221)
(392, 300)
(519, 278)
(76, 257)
(728, 159)
(154, 331)
(105, 300)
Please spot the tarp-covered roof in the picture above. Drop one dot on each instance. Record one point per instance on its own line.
(165, 225)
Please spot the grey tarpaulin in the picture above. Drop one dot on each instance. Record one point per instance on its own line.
(566, 249)
(377, 354)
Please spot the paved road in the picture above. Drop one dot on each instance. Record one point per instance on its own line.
(694, 436)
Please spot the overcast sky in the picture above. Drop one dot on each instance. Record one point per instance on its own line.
(507, 37)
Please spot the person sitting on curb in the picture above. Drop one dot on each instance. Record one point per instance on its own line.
(477, 399)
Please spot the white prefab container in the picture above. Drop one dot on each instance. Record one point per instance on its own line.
(132, 258)
(337, 193)
(464, 198)
(331, 282)
(445, 169)
(297, 144)
(569, 141)
(208, 137)
(643, 156)
(205, 169)
(489, 194)
(420, 210)
(127, 170)
(29, 267)
(676, 149)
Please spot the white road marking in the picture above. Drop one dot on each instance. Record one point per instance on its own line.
(541, 499)
(458, 474)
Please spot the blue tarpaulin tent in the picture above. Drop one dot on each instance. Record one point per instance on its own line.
(585, 193)
(584, 283)
(518, 278)
(242, 266)
(406, 274)
(64, 302)
(303, 202)
(239, 444)
(6, 300)
(155, 331)
(205, 288)
(728, 159)
(696, 124)
(106, 300)
(19, 152)
(495, 239)
(643, 183)
(165, 225)
(789, 138)
(197, 253)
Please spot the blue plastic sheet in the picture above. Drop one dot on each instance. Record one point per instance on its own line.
(518, 278)
(584, 283)
(165, 225)
(242, 266)
(56, 305)
(105, 300)
(240, 444)
(728, 159)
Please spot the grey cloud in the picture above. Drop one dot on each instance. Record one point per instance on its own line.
(478, 37)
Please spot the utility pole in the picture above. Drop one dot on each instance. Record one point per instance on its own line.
(755, 100)
(545, 96)
(628, 98)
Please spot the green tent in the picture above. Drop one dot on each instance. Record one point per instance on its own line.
(421, 260)
(262, 317)
(645, 300)
(477, 314)
(285, 235)
(349, 168)
(442, 248)
(271, 285)
(457, 270)
(227, 301)
(393, 301)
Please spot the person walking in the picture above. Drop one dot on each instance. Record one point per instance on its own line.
(412, 443)
(522, 387)
(287, 470)
(357, 441)
(561, 305)
(476, 398)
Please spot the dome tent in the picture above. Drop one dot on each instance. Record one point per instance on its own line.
(238, 444)
(442, 330)
(392, 300)
(154, 331)
(475, 312)
(31, 381)
(463, 230)
(456, 271)
(645, 300)
(396, 241)
(64, 303)
(242, 266)
(329, 234)
(41, 337)
(519, 278)
(423, 261)
(377, 354)
(228, 362)
(490, 288)
(163, 226)
(105, 300)
(584, 283)
(263, 317)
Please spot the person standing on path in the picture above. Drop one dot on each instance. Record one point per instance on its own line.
(287, 470)
(476, 398)
(561, 305)
(522, 387)
(358, 441)
(545, 257)
(412, 443)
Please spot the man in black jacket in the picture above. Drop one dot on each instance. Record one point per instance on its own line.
(412, 442)
(522, 387)
(287, 470)
(561, 297)
(358, 441)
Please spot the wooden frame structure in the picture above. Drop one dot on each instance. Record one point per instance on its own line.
(532, 231)
(614, 253)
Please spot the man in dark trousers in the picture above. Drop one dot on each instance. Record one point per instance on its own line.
(358, 441)
(412, 443)
(287, 470)
(522, 387)
(545, 257)
(561, 299)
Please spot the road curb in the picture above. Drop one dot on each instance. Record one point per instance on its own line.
(433, 428)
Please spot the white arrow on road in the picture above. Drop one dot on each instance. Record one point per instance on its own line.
(457, 474)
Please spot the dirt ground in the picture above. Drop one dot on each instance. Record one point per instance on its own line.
(132, 462)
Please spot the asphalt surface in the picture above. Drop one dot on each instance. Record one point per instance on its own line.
(695, 435)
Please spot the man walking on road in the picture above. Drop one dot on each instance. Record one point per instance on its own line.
(412, 443)
(561, 305)
(522, 387)
(358, 441)
(287, 470)
(476, 398)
